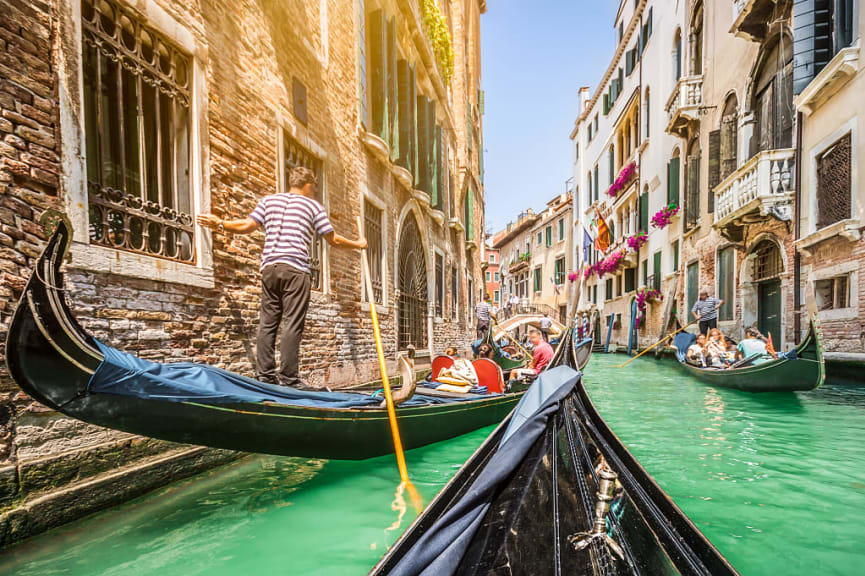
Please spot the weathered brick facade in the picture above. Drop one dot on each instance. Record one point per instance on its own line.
(248, 59)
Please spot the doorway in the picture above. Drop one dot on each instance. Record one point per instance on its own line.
(769, 309)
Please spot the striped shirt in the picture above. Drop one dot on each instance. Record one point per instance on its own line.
(707, 309)
(482, 311)
(289, 222)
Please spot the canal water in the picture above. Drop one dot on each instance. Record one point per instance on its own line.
(777, 483)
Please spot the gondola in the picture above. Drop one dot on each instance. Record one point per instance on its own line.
(553, 491)
(54, 360)
(800, 369)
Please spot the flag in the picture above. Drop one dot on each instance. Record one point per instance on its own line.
(602, 242)
(770, 348)
(587, 246)
(555, 286)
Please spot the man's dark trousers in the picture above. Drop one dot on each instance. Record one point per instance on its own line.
(482, 329)
(284, 293)
(706, 325)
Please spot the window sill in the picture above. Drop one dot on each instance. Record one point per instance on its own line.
(380, 309)
(848, 313)
(849, 229)
(107, 260)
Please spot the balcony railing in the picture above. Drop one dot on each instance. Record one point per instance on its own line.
(764, 183)
(684, 103)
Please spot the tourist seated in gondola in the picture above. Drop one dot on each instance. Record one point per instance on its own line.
(695, 354)
(486, 351)
(716, 349)
(451, 351)
(752, 346)
(542, 354)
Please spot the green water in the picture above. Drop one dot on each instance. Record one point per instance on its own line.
(775, 481)
(262, 515)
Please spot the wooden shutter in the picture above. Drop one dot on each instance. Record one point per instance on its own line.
(644, 212)
(629, 62)
(378, 61)
(692, 207)
(630, 279)
(392, 92)
(431, 155)
(441, 173)
(596, 181)
(673, 181)
(656, 264)
(606, 104)
(612, 159)
(406, 115)
(469, 214)
(436, 187)
(714, 166)
(421, 177)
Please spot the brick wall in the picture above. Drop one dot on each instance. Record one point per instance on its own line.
(251, 53)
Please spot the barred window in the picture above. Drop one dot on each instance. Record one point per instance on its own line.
(295, 155)
(372, 227)
(833, 293)
(833, 183)
(136, 130)
(767, 261)
(454, 293)
(439, 286)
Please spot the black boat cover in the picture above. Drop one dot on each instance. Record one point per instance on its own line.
(441, 548)
(127, 375)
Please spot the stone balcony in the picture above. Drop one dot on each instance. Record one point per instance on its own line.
(761, 187)
(683, 106)
(750, 18)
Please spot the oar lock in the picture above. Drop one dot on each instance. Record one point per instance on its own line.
(606, 494)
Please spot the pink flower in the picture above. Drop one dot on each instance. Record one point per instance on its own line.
(637, 240)
(663, 217)
(573, 276)
(623, 179)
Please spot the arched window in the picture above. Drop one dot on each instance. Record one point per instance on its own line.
(692, 185)
(413, 295)
(729, 136)
(773, 97)
(767, 261)
(696, 40)
(677, 55)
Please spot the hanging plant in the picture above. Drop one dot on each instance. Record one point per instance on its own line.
(636, 241)
(573, 276)
(611, 263)
(644, 296)
(436, 28)
(664, 216)
(624, 178)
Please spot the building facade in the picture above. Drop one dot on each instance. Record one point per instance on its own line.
(729, 150)
(133, 117)
(514, 244)
(493, 275)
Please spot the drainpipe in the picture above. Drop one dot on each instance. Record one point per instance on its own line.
(797, 259)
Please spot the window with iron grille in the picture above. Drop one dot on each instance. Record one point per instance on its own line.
(833, 183)
(440, 285)
(767, 261)
(374, 250)
(136, 130)
(833, 293)
(294, 155)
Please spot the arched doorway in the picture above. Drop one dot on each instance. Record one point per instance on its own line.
(762, 290)
(412, 284)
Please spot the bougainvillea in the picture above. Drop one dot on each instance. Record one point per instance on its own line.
(637, 240)
(623, 179)
(611, 263)
(664, 216)
(573, 276)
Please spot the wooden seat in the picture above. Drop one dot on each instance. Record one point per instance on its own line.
(438, 364)
(489, 375)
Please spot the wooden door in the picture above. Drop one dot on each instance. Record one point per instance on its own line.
(769, 310)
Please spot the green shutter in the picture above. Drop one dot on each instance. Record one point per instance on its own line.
(596, 182)
(406, 116)
(714, 166)
(612, 159)
(630, 279)
(693, 289)
(675, 256)
(629, 62)
(673, 181)
(431, 155)
(549, 233)
(378, 61)
(656, 270)
(392, 92)
(469, 214)
(436, 194)
(606, 104)
(421, 177)
(644, 212)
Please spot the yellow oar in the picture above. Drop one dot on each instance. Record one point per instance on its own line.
(391, 409)
(656, 344)
(508, 334)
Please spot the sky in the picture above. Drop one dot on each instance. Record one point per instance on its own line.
(535, 55)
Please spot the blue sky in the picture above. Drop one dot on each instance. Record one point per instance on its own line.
(535, 56)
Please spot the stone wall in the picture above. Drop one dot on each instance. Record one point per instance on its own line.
(251, 54)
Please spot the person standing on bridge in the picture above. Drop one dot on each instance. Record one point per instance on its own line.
(290, 219)
(545, 325)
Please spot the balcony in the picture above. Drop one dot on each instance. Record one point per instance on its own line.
(750, 18)
(683, 107)
(761, 187)
(521, 262)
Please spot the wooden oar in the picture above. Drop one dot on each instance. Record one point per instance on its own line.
(656, 344)
(385, 382)
(517, 342)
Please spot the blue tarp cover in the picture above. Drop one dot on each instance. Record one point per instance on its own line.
(441, 548)
(127, 375)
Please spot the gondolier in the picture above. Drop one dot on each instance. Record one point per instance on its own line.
(545, 324)
(483, 311)
(290, 219)
(706, 311)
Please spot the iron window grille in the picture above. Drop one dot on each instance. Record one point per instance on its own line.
(137, 135)
(372, 226)
(767, 261)
(412, 284)
(833, 183)
(294, 156)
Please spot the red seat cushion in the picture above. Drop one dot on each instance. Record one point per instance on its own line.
(439, 363)
(489, 375)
